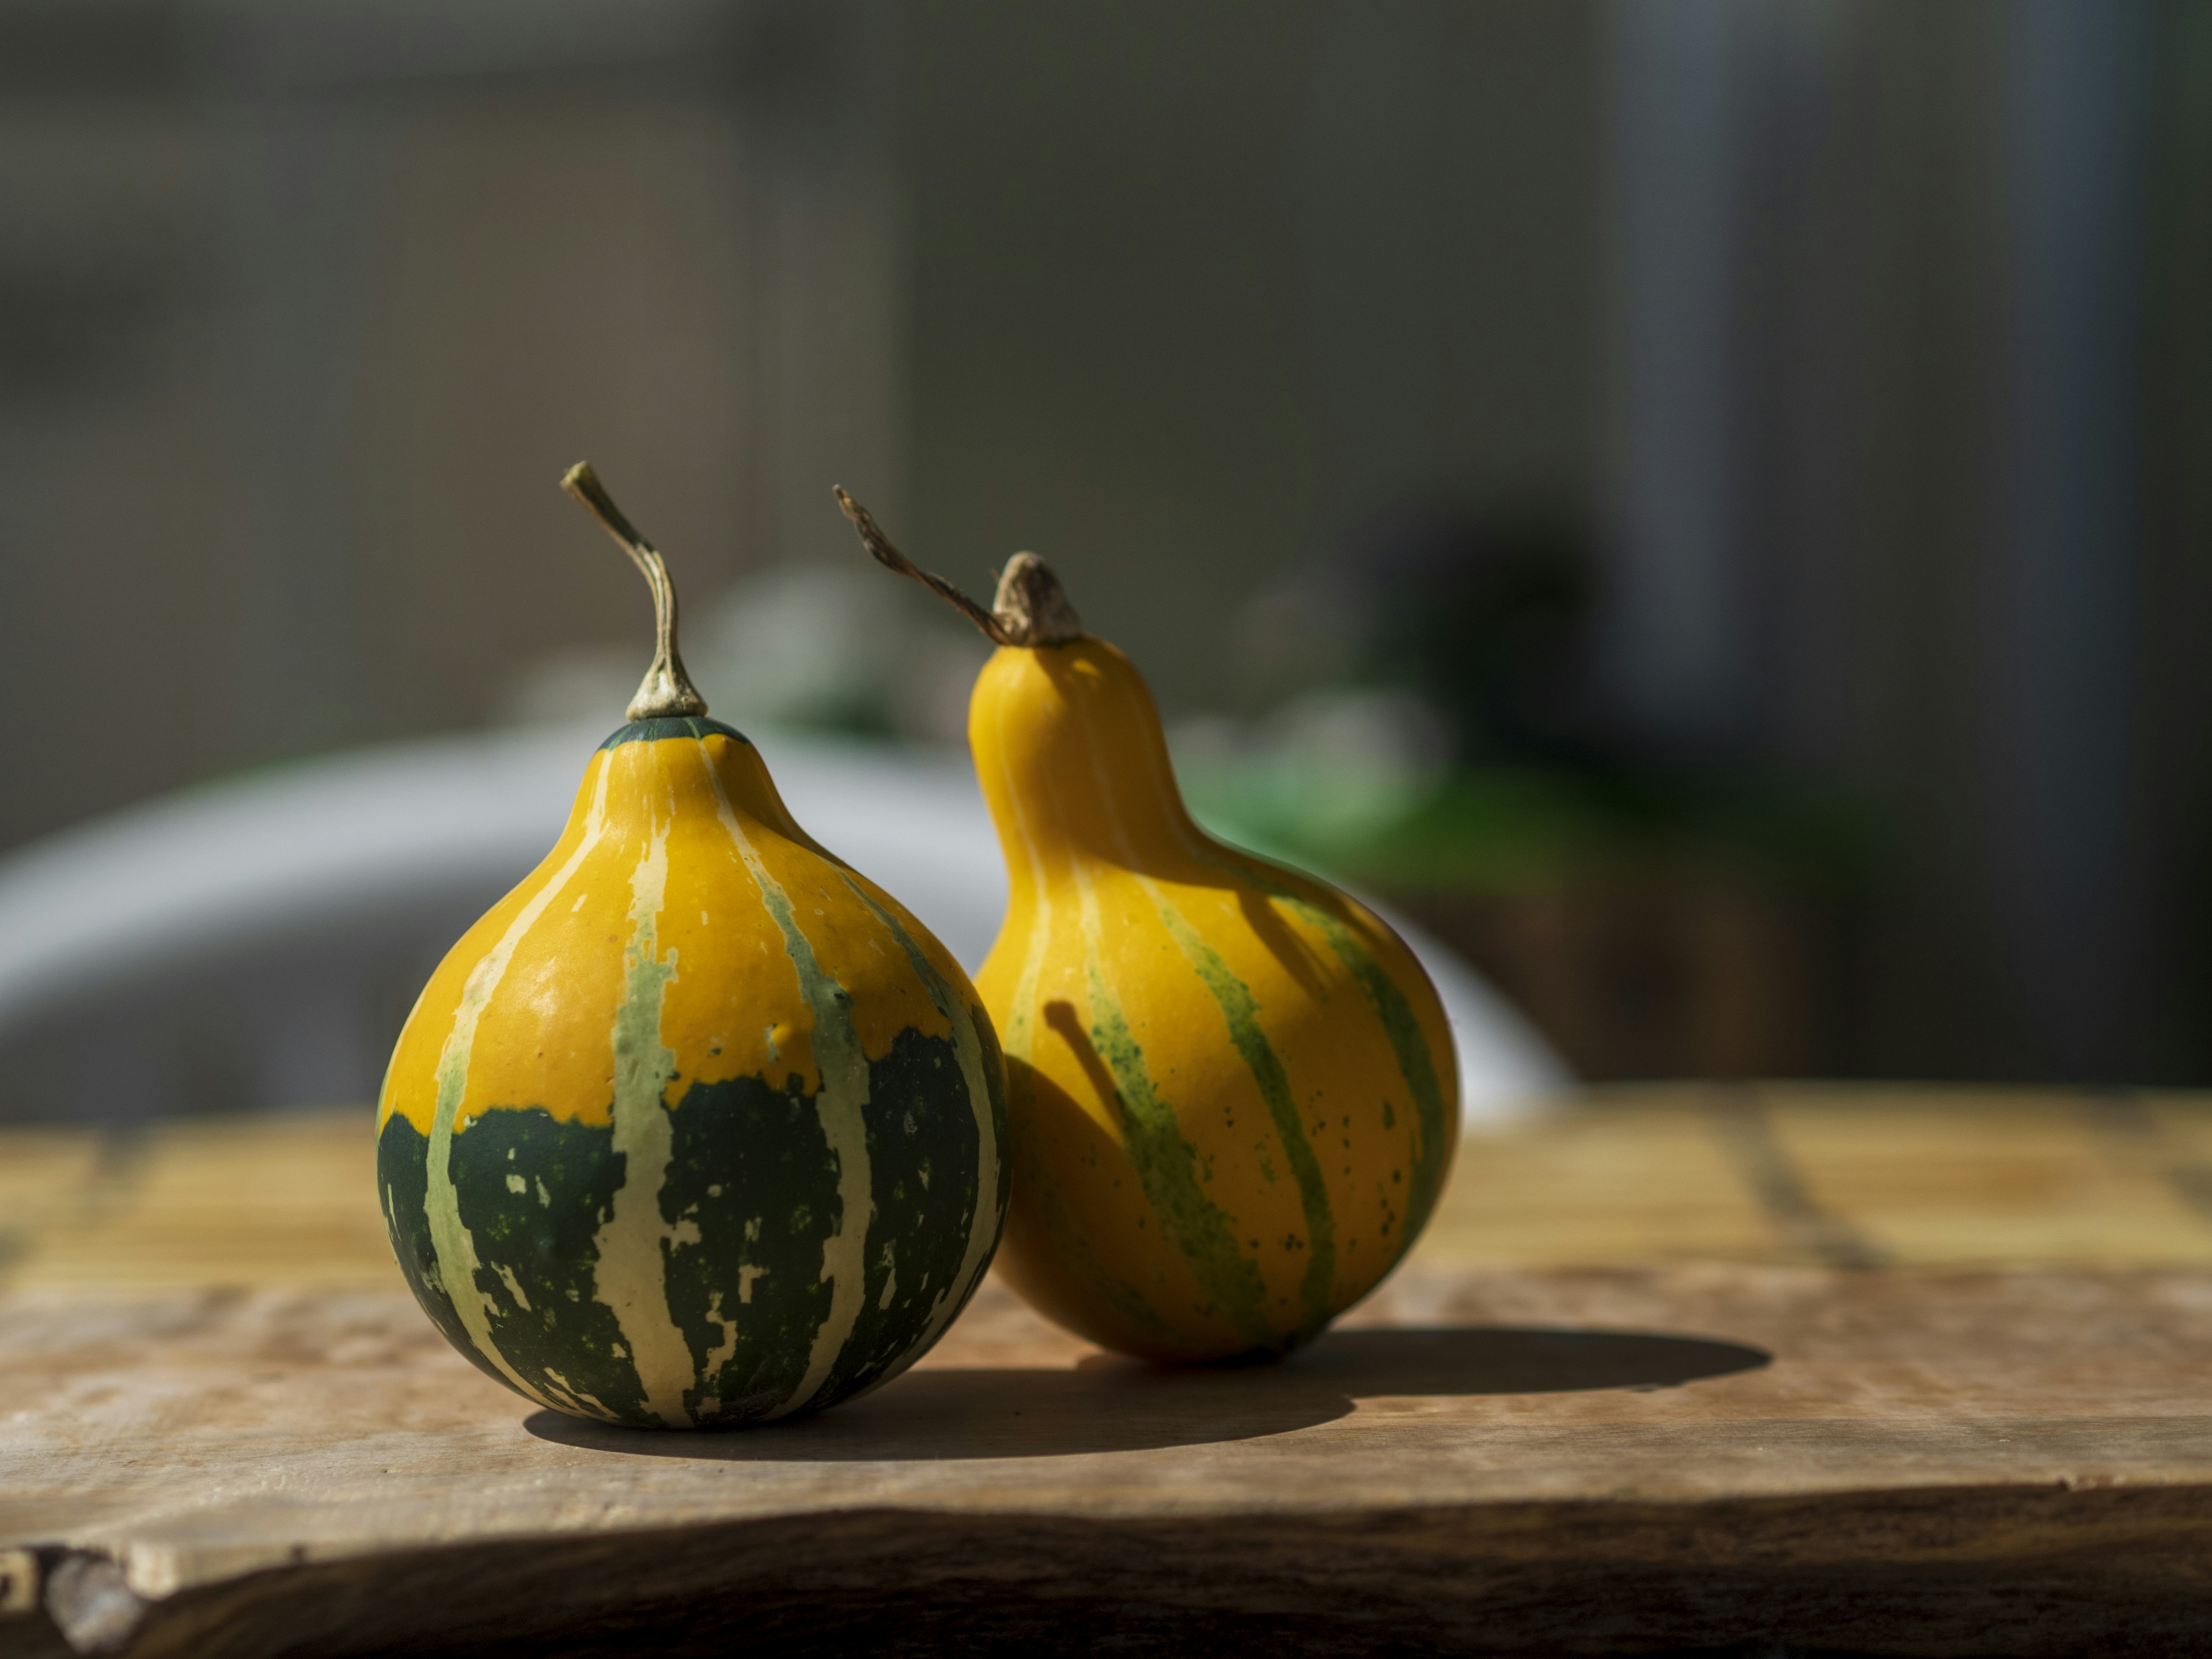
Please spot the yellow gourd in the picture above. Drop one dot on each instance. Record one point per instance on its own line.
(697, 1126)
(1232, 1100)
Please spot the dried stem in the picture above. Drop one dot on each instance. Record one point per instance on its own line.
(667, 690)
(1031, 610)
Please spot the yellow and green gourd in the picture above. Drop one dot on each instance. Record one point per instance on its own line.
(1232, 1095)
(696, 1126)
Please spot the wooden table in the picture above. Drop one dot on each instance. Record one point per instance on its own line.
(1875, 1371)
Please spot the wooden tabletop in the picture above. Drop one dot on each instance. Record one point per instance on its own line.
(1861, 1370)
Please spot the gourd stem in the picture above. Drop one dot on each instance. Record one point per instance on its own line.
(667, 690)
(1031, 608)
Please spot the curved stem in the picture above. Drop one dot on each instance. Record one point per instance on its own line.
(891, 558)
(1031, 608)
(667, 690)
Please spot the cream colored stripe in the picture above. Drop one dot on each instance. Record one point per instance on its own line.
(838, 1106)
(631, 1275)
(1020, 1036)
(1110, 808)
(456, 1250)
(1086, 897)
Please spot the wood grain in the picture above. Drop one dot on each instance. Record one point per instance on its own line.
(1890, 1373)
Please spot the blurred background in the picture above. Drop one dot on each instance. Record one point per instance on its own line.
(1704, 505)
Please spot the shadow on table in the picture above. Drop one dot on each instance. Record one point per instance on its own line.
(1471, 1359)
(1109, 1404)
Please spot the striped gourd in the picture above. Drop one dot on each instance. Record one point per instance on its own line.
(696, 1126)
(1232, 1093)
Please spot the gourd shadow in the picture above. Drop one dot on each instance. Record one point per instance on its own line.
(1106, 1404)
(1059, 1114)
(1382, 1361)
(1292, 953)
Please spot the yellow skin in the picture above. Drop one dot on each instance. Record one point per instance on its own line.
(546, 1032)
(686, 942)
(1232, 1095)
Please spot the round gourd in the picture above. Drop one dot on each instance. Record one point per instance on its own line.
(1232, 1095)
(696, 1126)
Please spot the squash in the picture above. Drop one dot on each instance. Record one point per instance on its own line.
(1232, 1095)
(696, 1126)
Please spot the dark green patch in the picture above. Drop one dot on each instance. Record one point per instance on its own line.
(918, 1114)
(750, 1167)
(671, 725)
(549, 1249)
(932, 1069)
(752, 1173)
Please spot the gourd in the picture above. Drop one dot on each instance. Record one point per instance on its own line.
(697, 1126)
(1232, 1094)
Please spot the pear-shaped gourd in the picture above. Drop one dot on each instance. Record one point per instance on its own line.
(696, 1126)
(1232, 1096)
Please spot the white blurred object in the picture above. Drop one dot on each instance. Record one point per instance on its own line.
(258, 943)
(820, 648)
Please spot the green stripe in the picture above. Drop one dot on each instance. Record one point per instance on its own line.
(671, 725)
(1415, 1063)
(1167, 1168)
(1242, 1011)
(1399, 1023)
